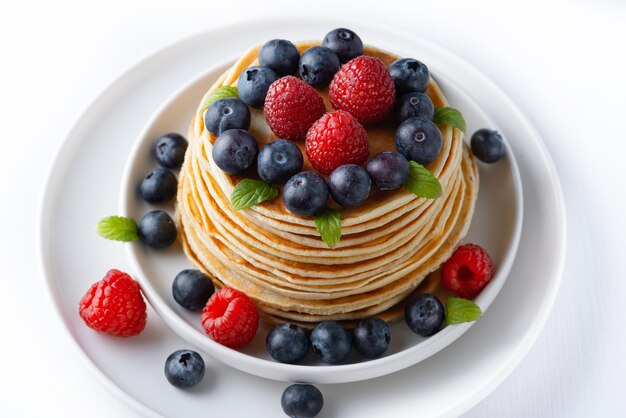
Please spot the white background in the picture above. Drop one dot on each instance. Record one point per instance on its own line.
(563, 63)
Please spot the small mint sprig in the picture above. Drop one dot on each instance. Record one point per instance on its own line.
(422, 182)
(249, 192)
(328, 224)
(223, 92)
(459, 310)
(118, 228)
(449, 116)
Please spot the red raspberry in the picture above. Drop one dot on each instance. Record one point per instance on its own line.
(363, 87)
(114, 305)
(291, 107)
(468, 271)
(230, 318)
(337, 138)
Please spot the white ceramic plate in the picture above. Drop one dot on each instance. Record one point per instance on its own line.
(84, 185)
(496, 226)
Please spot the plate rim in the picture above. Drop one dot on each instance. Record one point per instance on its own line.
(57, 162)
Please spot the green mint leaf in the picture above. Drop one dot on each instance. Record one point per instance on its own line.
(118, 228)
(223, 92)
(449, 116)
(250, 192)
(422, 182)
(328, 224)
(459, 310)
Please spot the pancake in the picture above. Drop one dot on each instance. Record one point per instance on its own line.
(388, 246)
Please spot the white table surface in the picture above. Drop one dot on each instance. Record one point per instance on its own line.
(562, 62)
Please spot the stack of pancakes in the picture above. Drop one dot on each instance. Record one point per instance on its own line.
(388, 246)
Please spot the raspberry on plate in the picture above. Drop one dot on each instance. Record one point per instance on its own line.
(337, 138)
(114, 306)
(291, 107)
(468, 271)
(363, 87)
(230, 318)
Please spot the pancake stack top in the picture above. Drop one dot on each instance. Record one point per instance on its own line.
(388, 246)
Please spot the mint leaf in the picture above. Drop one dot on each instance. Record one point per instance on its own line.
(422, 182)
(223, 92)
(328, 224)
(449, 116)
(459, 310)
(248, 193)
(118, 228)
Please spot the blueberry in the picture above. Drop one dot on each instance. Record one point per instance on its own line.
(306, 193)
(388, 170)
(225, 114)
(345, 43)
(159, 186)
(415, 104)
(371, 337)
(253, 85)
(184, 369)
(278, 161)
(302, 401)
(424, 314)
(281, 56)
(487, 145)
(349, 185)
(318, 65)
(409, 75)
(192, 289)
(419, 139)
(157, 229)
(234, 151)
(170, 150)
(331, 342)
(287, 343)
